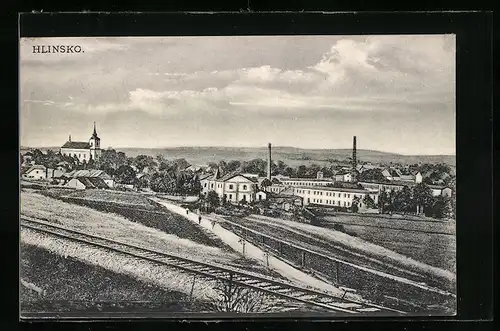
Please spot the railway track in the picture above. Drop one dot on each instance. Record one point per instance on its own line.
(280, 290)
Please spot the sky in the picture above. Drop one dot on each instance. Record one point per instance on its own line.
(395, 93)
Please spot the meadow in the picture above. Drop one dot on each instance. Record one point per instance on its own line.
(432, 243)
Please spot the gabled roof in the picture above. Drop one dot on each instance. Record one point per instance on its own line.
(92, 182)
(234, 174)
(76, 145)
(88, 173)
(206, 176)
(36, 167)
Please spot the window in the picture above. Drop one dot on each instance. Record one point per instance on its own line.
(205, 185)
(212, 185)
(244, 187)
(344, 195)
(348, 195)
(230, 186)
(230, 196)
(338, 195)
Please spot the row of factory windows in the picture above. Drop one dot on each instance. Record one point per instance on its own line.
(305, 183)
(330, 194)
(331, 202)
(231, 186)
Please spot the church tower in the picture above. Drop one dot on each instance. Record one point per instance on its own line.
(95, 145)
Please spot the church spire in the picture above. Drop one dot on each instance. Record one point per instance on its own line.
(95, 132)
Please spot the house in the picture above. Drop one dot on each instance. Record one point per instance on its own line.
(36, 172)
(91, 173)
(391, 174)
(63, 166)
(260, 195)
(233, 187)
(444, 191)
(343, 176)
(82, 183)
(378, 187)
(83, 150)
(197, 168)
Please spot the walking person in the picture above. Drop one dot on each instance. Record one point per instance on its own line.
(199, 219)
(213, 224)
(187, 211)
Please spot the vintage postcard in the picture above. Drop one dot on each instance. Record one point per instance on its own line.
(238, 175)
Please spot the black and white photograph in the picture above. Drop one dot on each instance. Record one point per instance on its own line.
(238, 175)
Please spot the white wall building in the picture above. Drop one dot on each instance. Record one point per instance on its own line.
(83, 150)
(333, 196)
(234, 187)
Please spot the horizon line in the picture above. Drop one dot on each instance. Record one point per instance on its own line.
(254, 147)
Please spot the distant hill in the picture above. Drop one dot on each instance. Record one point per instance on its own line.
(290, 155)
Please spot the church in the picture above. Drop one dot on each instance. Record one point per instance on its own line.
(83, 150)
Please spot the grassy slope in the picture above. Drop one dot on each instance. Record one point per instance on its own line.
(100, 290)
(163, 231)
(327, 240)
(116, 227)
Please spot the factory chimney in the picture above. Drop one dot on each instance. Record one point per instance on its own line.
(269, 162)
(354, 163)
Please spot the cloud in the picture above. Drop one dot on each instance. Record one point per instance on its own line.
(190, 79)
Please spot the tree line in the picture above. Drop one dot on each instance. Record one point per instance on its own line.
(418, 199)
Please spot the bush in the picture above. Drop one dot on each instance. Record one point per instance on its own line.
(338, 227)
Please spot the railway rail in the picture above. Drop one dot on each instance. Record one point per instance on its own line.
(283, 291)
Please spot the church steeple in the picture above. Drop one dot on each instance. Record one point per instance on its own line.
(94, 134)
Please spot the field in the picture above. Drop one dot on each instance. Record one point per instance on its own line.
(341, 245)
(61, 288)
(370, 285)
(432, 243)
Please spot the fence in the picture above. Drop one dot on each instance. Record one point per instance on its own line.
(371, 284)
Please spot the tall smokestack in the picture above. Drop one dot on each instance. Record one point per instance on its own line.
(269, 161)
(354, 163)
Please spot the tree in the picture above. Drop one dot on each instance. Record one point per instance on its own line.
(368, 201)
(383, 200)
(143, 161)
(265, 183)
(125, 174)
(290, 172)
(255, 166)
(441, 207)
(301, 171)
(232, 297)
(142, 182)
(372, 175)
(212, 199)
(233, 166)
(355, 204)
(422, 197)
(162, 182)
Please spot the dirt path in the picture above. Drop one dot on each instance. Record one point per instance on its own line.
(294, 275)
